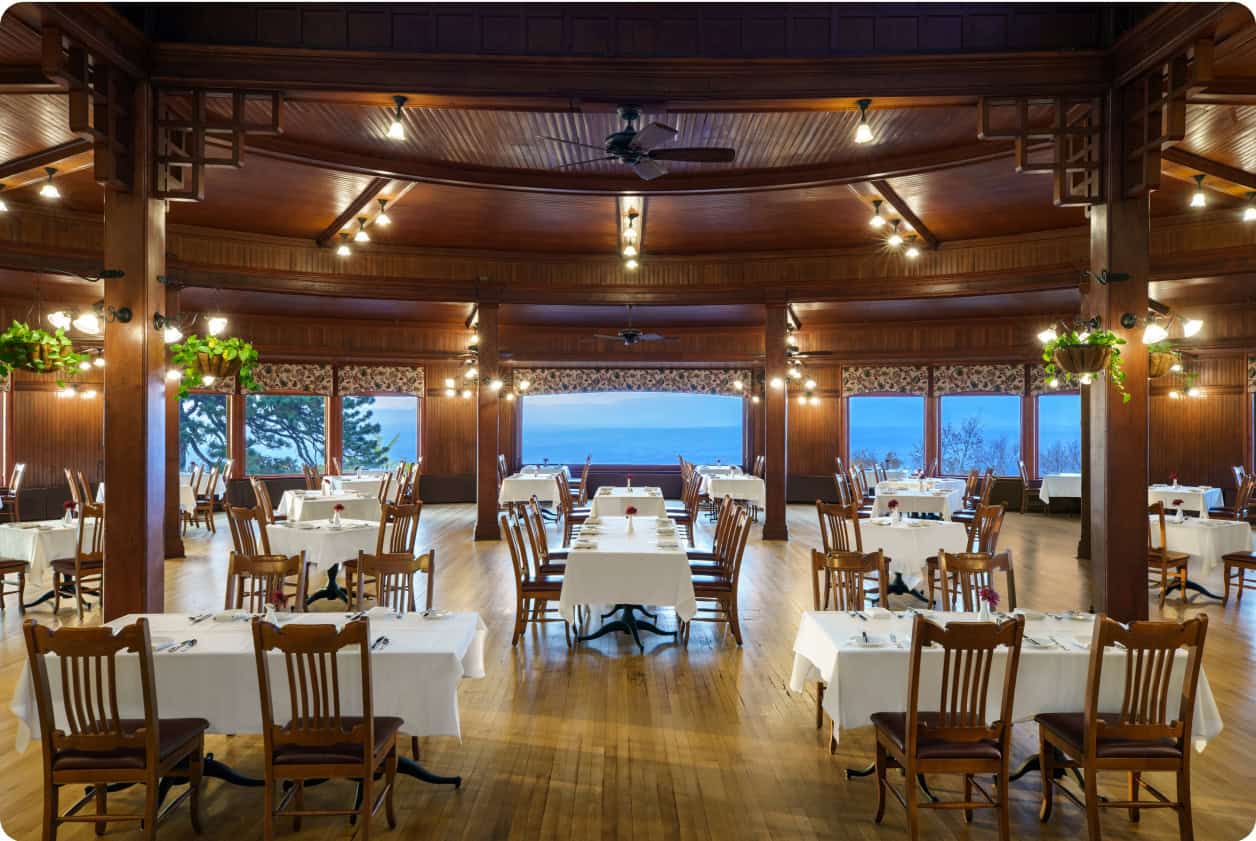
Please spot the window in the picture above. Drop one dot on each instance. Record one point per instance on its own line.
(1059, 433)
(379, 430)
(980, 431)
(202, 430)
(632, 428)
(887, 430)
(282, 432)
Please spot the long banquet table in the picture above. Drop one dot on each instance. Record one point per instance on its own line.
(615, 501)
(862, 681)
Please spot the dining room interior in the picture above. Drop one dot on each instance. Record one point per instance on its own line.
(627, 420)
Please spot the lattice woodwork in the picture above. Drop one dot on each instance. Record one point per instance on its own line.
(198, 128)
(1154, 111)
(101, 100)
(1069, 130)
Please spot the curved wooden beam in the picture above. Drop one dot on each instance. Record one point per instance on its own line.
(44, 157)
(373, 189)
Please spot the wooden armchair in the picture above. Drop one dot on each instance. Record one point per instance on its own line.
(965, 574)
(1146, 735)
(87, 567)
(1163, 565)
(96, 746)
(1030, 488)
(958, 736)
(11, 493)
(253, 581)
(320, 742)
(533, 590)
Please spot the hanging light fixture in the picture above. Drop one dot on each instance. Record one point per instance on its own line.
(1249, 210)
(173, 374)
(1198, 199)
(361, 235)
(99, 361)
(1047, 336)
(877, 220)
(4, 208)
(60, 319)
(863, 134)
(912, 251)
(466, 394)
(215, 325)
(777, 383)
(397, 129)
(1154, 332)
(1194, 391)
(895, 239)
(343, 250)
(1191, 326)
(171, 334)
(87, 322)
(630, 250)
(49, 190)
(1175, 395)
(523, 385)
(631, 264)
(382, 218)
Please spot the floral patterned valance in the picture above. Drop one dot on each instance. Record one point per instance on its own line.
(374, 379)
(573, 380)
(901, 379)
(1038, 380)
(288, 376)
(1251, 373)
(222, 385)
(998, 379)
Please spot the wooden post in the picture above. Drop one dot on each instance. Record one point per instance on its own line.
(1119, 233)
(174, 537)
(135, 398)
(486, 527)
(776, 421)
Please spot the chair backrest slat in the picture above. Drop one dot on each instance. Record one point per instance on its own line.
(844, 575)
(248, 531)
(839, 527)
(966, 573)
(253, 581)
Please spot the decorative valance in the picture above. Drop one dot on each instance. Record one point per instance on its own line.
(222, 385)
(375, 379)
(1251, 373)
(1038, 380)
(295, 377)
(996, 379)
(574, 380)
(900, 379)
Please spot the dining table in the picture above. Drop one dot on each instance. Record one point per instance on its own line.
(320, 505)
(631, 563)
(611, 501)
(1193, 497)
(326, 545)
(187, 499)
(39, 543)
(737, 485)
(908, 544)
(1060, 486)
(532, 481)
(936, 497)
(1206, 542)
(363, 484)
(415, 675)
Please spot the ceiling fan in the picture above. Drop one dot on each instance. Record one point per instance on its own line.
(631, 335)
(637, 147)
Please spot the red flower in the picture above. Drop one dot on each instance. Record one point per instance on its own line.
(68, 505)
(278, 599)
(629, 478)
(1178, 503)
(893, 504)
(1173, 477)
(990, 595)
(338, 507)
(630, 510)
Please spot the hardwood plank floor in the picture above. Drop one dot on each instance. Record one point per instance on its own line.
(678, 743)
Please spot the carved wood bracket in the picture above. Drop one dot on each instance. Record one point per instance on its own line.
(1061, 135)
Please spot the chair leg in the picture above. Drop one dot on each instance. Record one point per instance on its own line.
(881, 782)
(968, 796)
(1045, 756)
(21, 593)
(734, 624)
(150, 810)
(819, 705)
(414, 748)
(1091, 782)
(196, 773)
(520, 607)
(910, 781)
(50, 810)
(368, 800)
(390, 779)
(298, 803)
(56, 592)
(78, 597)
(1225, 593)
(1186, 823)
(102, 806)
(1134, 777)
(1239, 598)
(1164, 585)
(431, 582)
(1004, 807)
(268, 809)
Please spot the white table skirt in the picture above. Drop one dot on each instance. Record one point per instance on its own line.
(415, 677)
(1060, 486)
(717, 469)
(910, 543)
(316, 505)
(1206, 541)
(628, 568)
(749, 488)
(1050, 680)
(322, 544)
(943, 500)
(1199, 498)
(187, 499)
(523, 486)
(39, 544)
(367, 486)
(614, 502)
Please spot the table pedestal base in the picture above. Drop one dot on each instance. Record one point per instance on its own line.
(898, 587)
(330, 590)
(1193, 587)
(627, 624)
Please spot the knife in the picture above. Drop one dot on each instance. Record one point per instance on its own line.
(382, 642)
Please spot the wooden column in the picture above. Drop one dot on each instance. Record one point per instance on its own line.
(174, 539)
(1119, 234)
(486, 527)
(776, 423)
(135, 398)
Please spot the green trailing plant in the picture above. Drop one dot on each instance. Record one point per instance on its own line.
(213, 356)
(32, 349)
(1068, 337)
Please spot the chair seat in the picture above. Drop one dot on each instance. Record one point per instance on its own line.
(1223, 514)
(65, 566)
(711, 584)
(553, 570)
(1173, 559)
(1240, 559)
(10, 565)
(386, 728)
(1071, 728)
(709, 568)
(174, 735)
(894, 725)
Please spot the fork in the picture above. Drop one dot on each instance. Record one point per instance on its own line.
(380, 643)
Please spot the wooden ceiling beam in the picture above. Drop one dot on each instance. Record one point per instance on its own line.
(1163, 34)
(373, 189)
(1207, 166)
(16, 78)
(894, 200)
(43, 158)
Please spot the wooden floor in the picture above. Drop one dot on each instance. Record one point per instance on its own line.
(601, 742)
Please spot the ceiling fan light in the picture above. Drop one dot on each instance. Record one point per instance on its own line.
(466, 394)
(738, 385)
(1053, 383)
(495, 385)
(802, 400)
(1249, 212)
(449, 382)
(510, 397)
(449, 392)
(777, 383)
(4, 208)
(754, 398)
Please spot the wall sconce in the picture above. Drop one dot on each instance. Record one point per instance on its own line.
(172, 326)
(90, 320)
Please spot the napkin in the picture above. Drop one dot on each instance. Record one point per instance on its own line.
(879, 613)
(584, 544)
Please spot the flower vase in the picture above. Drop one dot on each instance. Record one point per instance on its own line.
(335, 519)
(1175, 483)
(628, 528)
(895, 518)
(1179, 516)
(984, 613)
(68, 518)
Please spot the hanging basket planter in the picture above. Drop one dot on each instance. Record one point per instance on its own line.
(38, 351)
(1160, 363)
(216, 366)
(212, 357)
(1082, 359)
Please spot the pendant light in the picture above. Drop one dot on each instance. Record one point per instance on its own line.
(215, 325)
(877, 220)
(381, 218)
(397, 129)
(4, 207)
(863, 134)
(1198, 199)
(912, 251)
(895, 239)
(49, 190)
(361, 235)
(343, 250)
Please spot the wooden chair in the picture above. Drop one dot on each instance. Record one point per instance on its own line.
(957, 737)
(969, 513)
(205, 502)
(85, 486)
(966, 573)
(76, 493)
(1242, 500)
(396, 536)
(1030, 488)
(530, 514)
(11, 494)
(384, 485)
(253, 581)
(248, 531)
(98, 747)
(1163, 564)
(712, 561)
(320, 742)
(265, 508)
(720, 589)
(335, 466)
(846, 578)
(1144, 736)
(503, 469)
(570, 514)
(1237, 565)
(838, 467)
(393, 575)
(313, 478)
(760, 466)
(859, 494)
(532, 590)
(839, 532)
(224, 471)
(983, 536)
(87, 567)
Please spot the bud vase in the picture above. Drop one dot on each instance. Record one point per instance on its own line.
(68, 518)
(335, 519)
(984, 613)
(1179, 516)
(628, 528)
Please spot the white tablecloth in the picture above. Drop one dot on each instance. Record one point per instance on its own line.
(911, 542)
(750, 488)
(1049, 680)
(1061, 486)
(323, 545)
(187, 500)
(613, 502)
(717, 469)
(1206, 541)
(219, 486)
(521, 487)
(946, 497)
(1199, 498)
(362, 485)
(39, 544)
(316, 505)
(415, 677)
(628, 568)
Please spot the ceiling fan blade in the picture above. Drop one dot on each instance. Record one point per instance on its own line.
(652, 135)
(648, 169)
(608, 338)
(589, 161)
(653, 337)
(810, 353)
(570, 142)
(696, 154)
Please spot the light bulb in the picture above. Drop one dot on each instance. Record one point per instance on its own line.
(793, 373)
(361, 235)
(469, 374)
(396, 130)
(754, 398)
(738, 385)
(449, 392)
(894, 240)
(466, 394)
(449, 382)
(802, 400)
(1047, 336)
(1175, 395)
(1053, 383)
(1176, 367)
(510, 396)
(777, 383)
(68, 391)
(630, 236)
(172, 335)
(88, 394)
(877, 219)
(1191, 326)
(343, 250)
(1194, 391)
(809, 385)
(99, 362)
(863, 134)
(494, 385)
(475, 339)
(912, 252)
(631, 264)
(4, 208)
(1153, 333)
(1249, 213)
(524, 385)
(85, 365)
(207, 380)
(814, 401)
(87, 323)
(173, 374)
(49, 190)
(59, 319)
(1085, 379)
(1198, 199)
(382, 217)
(630, 251)
(216, 325)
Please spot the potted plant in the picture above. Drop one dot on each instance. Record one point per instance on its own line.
(214, 357)
(1080, 353)
(1161, 357)
(32, 349)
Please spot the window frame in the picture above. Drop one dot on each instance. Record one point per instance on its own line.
(420, 426)
(1020, 431)
(847, 416)
(1055, 392)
